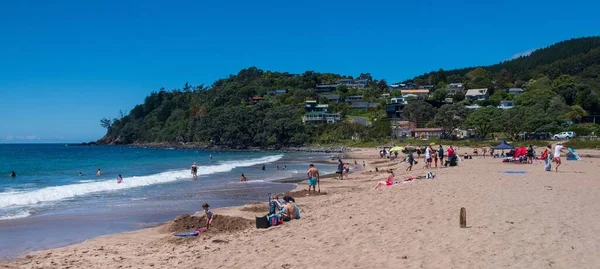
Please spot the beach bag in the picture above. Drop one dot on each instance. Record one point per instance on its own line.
(262, 222)
(274, 220)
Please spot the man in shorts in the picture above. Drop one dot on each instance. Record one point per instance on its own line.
(557, 150)
(410, 160)
(313, 177)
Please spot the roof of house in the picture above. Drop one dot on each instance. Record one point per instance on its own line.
(256, 98)
(515, 90)
(428, 129)
(474, 92)
(456, 85)
(311, 101)
(332, 96)
(414, 91)
(322, 106)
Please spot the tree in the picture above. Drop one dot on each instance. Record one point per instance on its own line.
(439, 95)
(106, 123)
(366, 76)
(575, 113)
(535, 97)
(419, 112)
(484, 120)
(451, 116)
(396, 93)
(382, 85)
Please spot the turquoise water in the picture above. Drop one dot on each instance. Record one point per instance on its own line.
(49, 194)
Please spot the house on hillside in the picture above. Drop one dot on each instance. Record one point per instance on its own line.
(477, 94)
(455, 88)
(277, 92)
(415, 93)
(313, 106)
(354, 98)
(428, 133)
(394, 108)
(506, 104)
(350, 83)
(364, 105)
(403, 129)
(321, 117)
(319, 113)
(326, 88)
(334, 98)
(255, 99)
(515, 91)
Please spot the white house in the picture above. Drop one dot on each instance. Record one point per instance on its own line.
(477, 94)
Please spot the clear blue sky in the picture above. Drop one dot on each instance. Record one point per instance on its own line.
(66, 64)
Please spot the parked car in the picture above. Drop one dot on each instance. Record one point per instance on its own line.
(564, 135)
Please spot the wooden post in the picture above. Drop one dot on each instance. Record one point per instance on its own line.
(463, 217)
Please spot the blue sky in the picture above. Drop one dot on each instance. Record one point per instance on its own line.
(66, 64)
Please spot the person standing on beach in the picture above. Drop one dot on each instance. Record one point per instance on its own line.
(194, 171)
(441, 155)
(547, 155)
(557, 150)
(484, 149)
(410, 160)
(313, 177)
(209, 215)
(347, 170)
(364, 165)
(340, 169)
(435, 156)
(427, 157)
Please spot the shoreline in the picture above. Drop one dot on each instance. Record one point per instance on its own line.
(511, 221)
(200, 146)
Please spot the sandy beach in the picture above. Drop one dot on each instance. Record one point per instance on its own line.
(536, 219)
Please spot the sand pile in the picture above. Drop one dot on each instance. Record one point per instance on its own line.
(303, 193)
(221, 223)
(257, 207)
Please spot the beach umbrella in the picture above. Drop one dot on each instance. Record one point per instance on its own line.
(504, 145)
(396, 149)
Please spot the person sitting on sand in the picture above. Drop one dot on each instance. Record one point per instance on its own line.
(475, 151)
(275, 205)
(243, 178)
(313, 177)
(388, 182)
(209, 215)
(291, 209)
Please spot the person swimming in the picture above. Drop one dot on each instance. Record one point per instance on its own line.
(13, 174)
(98, 173)
(80, 174)
(119, 179)
(243, 178)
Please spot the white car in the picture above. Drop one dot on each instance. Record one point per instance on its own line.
(563, 135)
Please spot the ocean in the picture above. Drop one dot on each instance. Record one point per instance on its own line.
(49, 204)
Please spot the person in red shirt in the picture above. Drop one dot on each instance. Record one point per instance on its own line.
(450, 152)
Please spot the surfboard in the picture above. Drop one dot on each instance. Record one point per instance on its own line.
(194, 233)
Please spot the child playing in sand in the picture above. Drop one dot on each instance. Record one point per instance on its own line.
(209, 215)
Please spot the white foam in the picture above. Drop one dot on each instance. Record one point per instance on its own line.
(57, 193)
(17, 215)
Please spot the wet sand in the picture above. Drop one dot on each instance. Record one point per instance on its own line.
(533, 220)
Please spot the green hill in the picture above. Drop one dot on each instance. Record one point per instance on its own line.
(561, 83)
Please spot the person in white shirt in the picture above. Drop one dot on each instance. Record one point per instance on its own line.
(557, 150)
(428, 157)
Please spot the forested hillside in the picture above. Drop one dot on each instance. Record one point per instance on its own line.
(225, 114)
(570, 68)
(561, 82)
